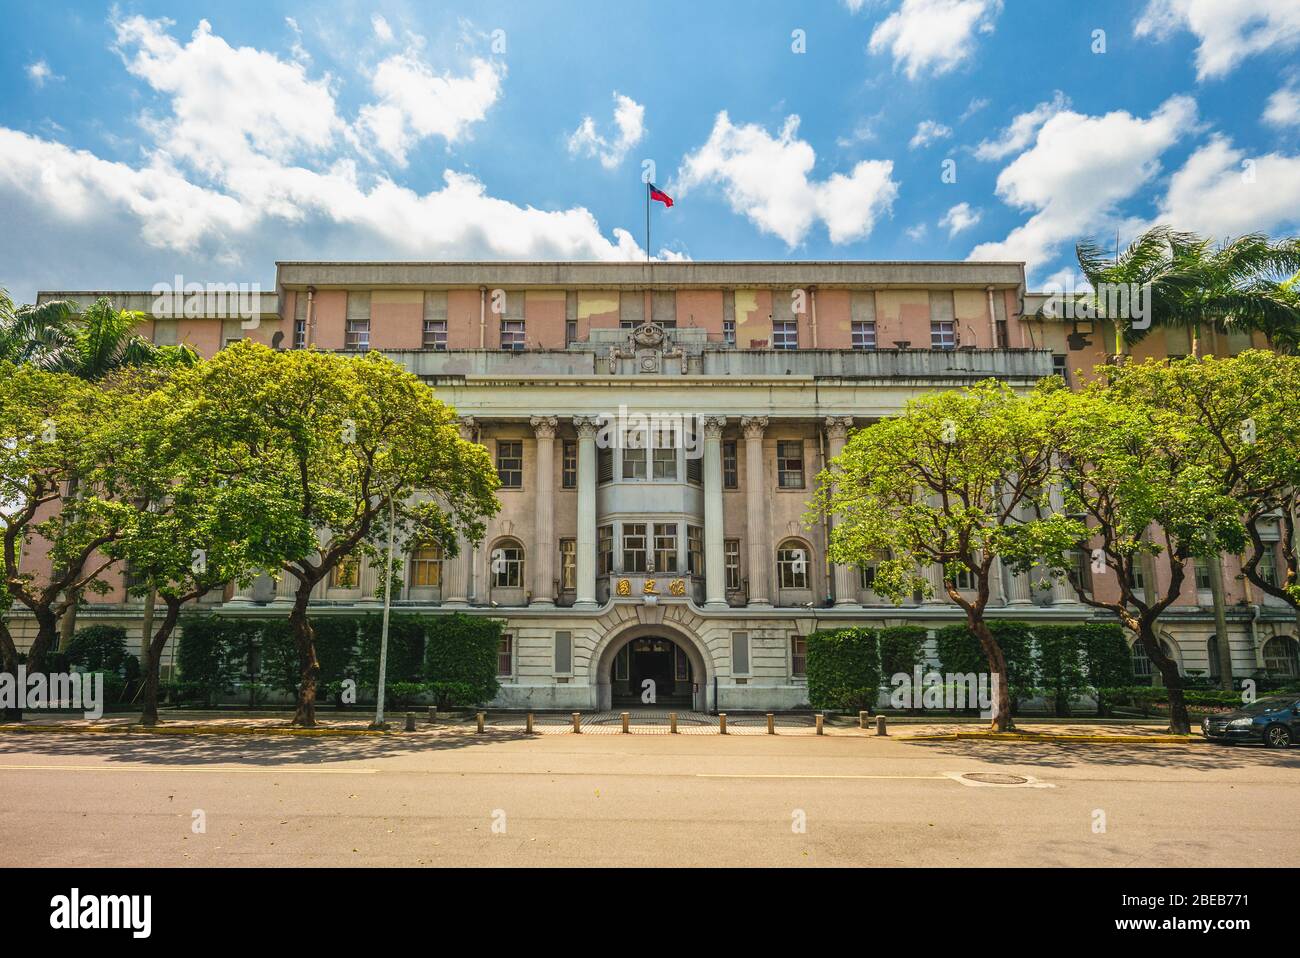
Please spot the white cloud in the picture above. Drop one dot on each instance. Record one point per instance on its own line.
(975, 105)
(1283, 108)
(1022, 129)
(958, 218)
(40, 74)
(1229, 31)
(917, 233)
(629, 119)
(927, 131)
(766, 178)
(933, 35)
(383, 32)
(1077, 172)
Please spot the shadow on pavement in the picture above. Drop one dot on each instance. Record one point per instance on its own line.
(1069, 755)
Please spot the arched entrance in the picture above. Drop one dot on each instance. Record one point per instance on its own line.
(651, 666)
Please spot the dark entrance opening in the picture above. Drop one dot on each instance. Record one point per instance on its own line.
(652, 673)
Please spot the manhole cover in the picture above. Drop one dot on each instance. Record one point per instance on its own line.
(995, 778)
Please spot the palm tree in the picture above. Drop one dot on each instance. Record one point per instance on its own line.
(35, 334)
(1145, 265)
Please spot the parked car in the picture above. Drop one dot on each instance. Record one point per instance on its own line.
(1275, 721)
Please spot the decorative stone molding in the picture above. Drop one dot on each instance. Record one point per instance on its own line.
(713, 426)
(837, 427)
(543, 426)
(753, 426)
(587, 426)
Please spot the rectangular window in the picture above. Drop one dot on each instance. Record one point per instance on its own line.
(634, 547)
(961, 577)
(633, 463)
(570, 332)
(512, 334)
(694, 470)
(605, 550)
(739, 653)
(426, 566)
(785, 334)
(665, 455)
(731, 551)
(694, 550)
(943, 335)
(605, 465)
(730, 467)
(1060, 368)
(792, 566)
(867, 576)
(1202, 575)
(1268, 566)
(798, 655)
(1004, 338)
(300, 334)
(789, 463)
(510, 463)
(864, 335)
(435, 334)
(506, 655)
(346, 574)
(729, 332)
(569, 465)
(358, 334)
(507, 565)
(563, 653)
(568, 565)
(665, 547)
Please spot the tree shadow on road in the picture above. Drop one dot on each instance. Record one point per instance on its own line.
(1206, 758)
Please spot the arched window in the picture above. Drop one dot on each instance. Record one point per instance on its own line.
(1281, 658)
(426, 566)
(507, 564)
(792, 561)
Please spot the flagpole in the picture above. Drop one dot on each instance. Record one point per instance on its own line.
(647, 222)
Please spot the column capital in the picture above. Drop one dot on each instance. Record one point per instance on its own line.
(753, 426)
(543, 426)
(587, 426)
(467, 425)
(713, 426)
(837, 427)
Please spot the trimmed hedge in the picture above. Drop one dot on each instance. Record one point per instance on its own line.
(460, 660)
(901, 649)
(960, 652)
(843, 669)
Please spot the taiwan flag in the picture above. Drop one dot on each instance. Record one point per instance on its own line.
(660, 195)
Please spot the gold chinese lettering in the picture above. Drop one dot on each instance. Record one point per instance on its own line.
(677, 587)
(624, 587)
(650, 588)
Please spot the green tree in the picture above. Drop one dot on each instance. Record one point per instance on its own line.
(958, 482)
(337, 439)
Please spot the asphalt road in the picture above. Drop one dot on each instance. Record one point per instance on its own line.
(503, 799)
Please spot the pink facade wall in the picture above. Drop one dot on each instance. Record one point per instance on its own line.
(396, 319)
(330, 309)
(701, 308)
(834, 319)
(544, 318)
(463, 318)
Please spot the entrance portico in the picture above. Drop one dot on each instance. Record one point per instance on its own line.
(671, 661)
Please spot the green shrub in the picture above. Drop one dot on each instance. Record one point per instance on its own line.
(402, 695)
(405, 650)
(843, 669)
(960, 651)
(460, 659)
(900, 649)
(1107, 661)
(209, 657)
(98, 648)
(1061, 665)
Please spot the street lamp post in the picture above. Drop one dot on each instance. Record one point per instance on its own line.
(383, 631)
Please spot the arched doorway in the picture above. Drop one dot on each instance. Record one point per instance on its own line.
(670, 660)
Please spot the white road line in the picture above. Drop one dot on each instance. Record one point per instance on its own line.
(189, 768)
(927, 778)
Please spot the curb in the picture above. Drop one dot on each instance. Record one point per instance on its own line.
(189, 730)
(1061, 739)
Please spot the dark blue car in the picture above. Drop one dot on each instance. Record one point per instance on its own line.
(1275, 721)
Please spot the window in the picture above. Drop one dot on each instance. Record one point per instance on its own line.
(346, 574)
(506, 655)
(730, 467)
(507, 564)
(731, 554)
(510, 463)
(435, 334)
(634, 547)
(426, 565)
(605, 550)
(563, 653)
(1141, 661)
(665, 455)
(300, 334)
(694, 550)
(798, 655)
(792, 565)
(568, 565)
(961, 577)
(1060, 367)
(512, 334)
(863, 335)
(694, 470)
(867, 576)
(569, 464)
(681, 665)
(357, 335)
(789, 463)
(739, 653)
(943, 334)
(729, 332)
(785, 334)
(633, 463)
(1267, 567)
(1000, 330)
(604, 465)
(570, 332)
(1202, 575)
(665, 547)
(1281, 658)
(1137, 579)
(131, 579)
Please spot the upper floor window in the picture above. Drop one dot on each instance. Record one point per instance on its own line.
(731, 560)
(357, 335)
(570, 331)
(346, 574)
(789, 463)
(568, 565)
(792, 565)
(665, 455)
(426, 565)
(510, 463)
(300, 334)
(512, 334)
(1268, 566)
(729, 332)
(943, 334)
(605, 550)
(1202, 575)
(694, 550)
(1060, 367)
(634, 547)
(633, 462)
(1004, 338)
(864, 335)
(665, 547)
(435, 334)
(507, 565)
(569, 465)
(785, 334)
(730, 469)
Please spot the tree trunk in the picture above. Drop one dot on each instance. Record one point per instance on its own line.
(153, 664)
(9, 664)
(997, 667)
(1215, 566)
(47, 632)
(304, 637)
(1179, 723)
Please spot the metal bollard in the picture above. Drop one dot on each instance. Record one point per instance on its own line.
(577, 723)
(722, 723)
(482, 717)
(771, 724)
(820, 719)
(625, 717)
(672, 723)
(528, 724)
(410, 721)
(862, 720)
(433, 713)
(880, 725)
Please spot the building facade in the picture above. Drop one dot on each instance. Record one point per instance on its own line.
(658, 430)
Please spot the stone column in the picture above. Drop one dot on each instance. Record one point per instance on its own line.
(756, 494)
(456, 572)
(997, 583)
(243, 596)
(586, 545)
(715, 572)
(1019, 589)
(939, 593)
(1062, 592)
(543, 560)
(844, 575)
(285, 587)
(370, 576)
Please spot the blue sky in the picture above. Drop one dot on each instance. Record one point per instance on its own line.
(142, 140)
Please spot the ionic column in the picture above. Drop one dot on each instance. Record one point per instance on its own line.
(844, 575)
(586, 591)
(544, 548)
(756, 509)
(369, 575)
(456, 572)
(715, 573)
